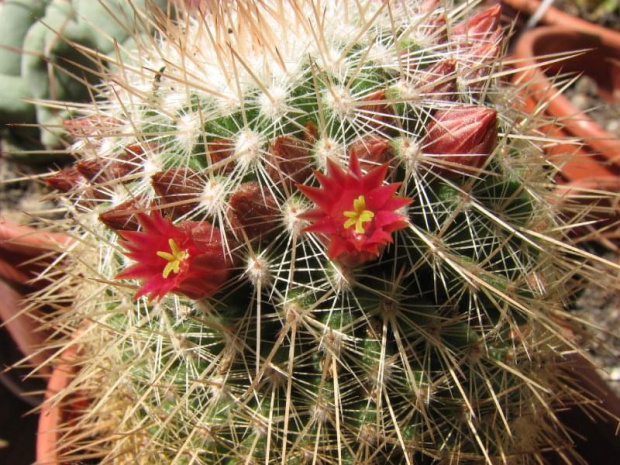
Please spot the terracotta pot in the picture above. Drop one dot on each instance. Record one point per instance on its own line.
(53, 414)
(600, 156)
(596, 435)
(555, 17)
(600, 224)
(24, 252)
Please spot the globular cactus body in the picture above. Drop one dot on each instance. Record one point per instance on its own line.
(317, 232)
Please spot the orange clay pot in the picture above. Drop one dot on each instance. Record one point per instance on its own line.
(601, 222)
(52, 414)
(600, 154)
(24, 252)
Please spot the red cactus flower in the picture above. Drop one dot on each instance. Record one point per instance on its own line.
(355, 213)
(188, 259)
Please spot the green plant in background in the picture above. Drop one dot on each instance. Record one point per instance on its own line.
(599, 8)
(42, 58)
(316, 232)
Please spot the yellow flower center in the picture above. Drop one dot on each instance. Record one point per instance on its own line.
(175, 257)
(359, 215)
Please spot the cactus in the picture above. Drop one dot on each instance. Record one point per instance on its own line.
(42, 57)
(316, 232)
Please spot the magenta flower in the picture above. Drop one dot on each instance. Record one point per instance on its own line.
(188, 259)
(355, 213)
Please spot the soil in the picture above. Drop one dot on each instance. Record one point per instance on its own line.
(23, 194)
(602, 12)
(583, 94)
(600, 307)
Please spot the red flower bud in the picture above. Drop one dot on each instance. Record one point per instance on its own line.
(179, 189)
(65, 180)
(311, 132)
(433, 29)
(462, 138)
(477, 63)
(439, 80)
(128, 162)
(187, 259)
(90, 125)
(478, 27)
(371, 151)
(91, 170)
(480, 55)
(123, 217)
(253, 210)
(374, 111)
(220, 150)
(289, 160)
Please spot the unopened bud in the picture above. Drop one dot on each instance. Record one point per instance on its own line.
(477, 64)
(440, 80)
(289, 161)
(375, 111)
(219, 151)
(463, 137)
(65, 180)
(486, 53)
(90, 125)
(371, 151)
(91, 170)
(123, 216)
(128, 162)
(179, 189)
(311, 132)
(481, 26)
(253, 210)
(434, 30)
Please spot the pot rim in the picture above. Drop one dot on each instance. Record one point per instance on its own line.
(540, 87)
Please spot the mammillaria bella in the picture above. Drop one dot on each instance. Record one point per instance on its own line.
(317, 232)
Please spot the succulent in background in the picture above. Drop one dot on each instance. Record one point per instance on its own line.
(317, 232)
(43, 57)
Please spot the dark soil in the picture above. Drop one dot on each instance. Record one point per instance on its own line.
(583, 94)
(603, 12)
(23, 194)
(600, 307)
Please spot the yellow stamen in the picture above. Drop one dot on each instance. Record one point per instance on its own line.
(175, 258)
(359, 215)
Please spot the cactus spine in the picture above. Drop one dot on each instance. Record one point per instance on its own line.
(316, 232)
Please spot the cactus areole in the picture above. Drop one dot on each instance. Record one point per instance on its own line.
(315, 232)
